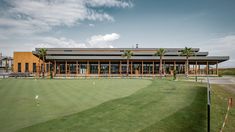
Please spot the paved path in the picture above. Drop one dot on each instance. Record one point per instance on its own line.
(227, 82)
(222, 80)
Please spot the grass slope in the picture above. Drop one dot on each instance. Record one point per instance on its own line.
(220, 95)
(162, 106)
(190, 118)
(57, 98)
(227, 71)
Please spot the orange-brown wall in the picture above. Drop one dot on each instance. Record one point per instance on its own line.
(24, 57)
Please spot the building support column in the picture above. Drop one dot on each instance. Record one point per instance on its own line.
(196, 68)
(142, 68)
(188, 68)
(131, 67)
(207, 68)
(49, 67)
(199, 68)
(164, 68)
(153, 68)
(69, 70)
(55, 67)
(217, 69)
(120, 68)
(76, 68)
(109, 68)
(59, 69)
(79, 69)
(66, 68)
(193, 69)
(88, 68)
(174, 66)
(98, 68)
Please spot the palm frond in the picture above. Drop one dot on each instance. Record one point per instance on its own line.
(42, 52)
(127, 54)
(160, 52)
(187, 52)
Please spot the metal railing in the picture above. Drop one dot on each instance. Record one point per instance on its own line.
(208, 104)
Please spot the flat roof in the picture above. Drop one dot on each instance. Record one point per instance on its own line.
(115, 49)
(172, 54)
(193, 58)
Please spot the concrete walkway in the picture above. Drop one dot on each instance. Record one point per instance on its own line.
(227, 82)
(222, 80)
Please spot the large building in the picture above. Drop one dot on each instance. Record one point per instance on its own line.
(75, 62)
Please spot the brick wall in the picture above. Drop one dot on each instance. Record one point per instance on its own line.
(23, 58)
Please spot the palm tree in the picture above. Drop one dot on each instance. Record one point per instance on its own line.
(42, 54)
(127, 54)
(187, 52)
(161, 52)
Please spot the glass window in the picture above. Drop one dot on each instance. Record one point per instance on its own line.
(26, 67)
(124, 65)
(42, 67)
(72, 68)
(34, 67)
(82, 69)
(62, 68)
(47, 67)
(94, 68)
(114, 68)
(147, 68)
(137, 68)
(104, 68)
(156, 68)
(19, 67)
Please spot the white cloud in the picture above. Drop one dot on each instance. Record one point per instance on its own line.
(220, 46)
(96, 41)
(223, 46)
(103, 40)
(30, 16)
(109, 3)
(52, 42)
(91, 25)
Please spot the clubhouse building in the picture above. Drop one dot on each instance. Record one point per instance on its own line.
(109, 62)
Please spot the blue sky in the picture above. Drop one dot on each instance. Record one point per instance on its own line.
(207, 24)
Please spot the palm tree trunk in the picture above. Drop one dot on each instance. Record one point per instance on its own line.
(127, 67)
(160, 68)
(186, 72)
(6, 65)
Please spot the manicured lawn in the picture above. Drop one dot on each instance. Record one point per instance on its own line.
(102, 105)
(57, 98)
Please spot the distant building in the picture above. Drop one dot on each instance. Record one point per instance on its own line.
(64, 62)
(0, 59)
(6, 63)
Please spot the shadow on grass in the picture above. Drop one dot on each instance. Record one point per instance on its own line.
(189, 119)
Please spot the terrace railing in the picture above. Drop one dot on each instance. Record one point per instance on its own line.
(208, 103)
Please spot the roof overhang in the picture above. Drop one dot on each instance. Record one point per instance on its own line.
(166, 58)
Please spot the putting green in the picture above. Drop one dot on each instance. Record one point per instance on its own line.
(56, 98)
(161, 106)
